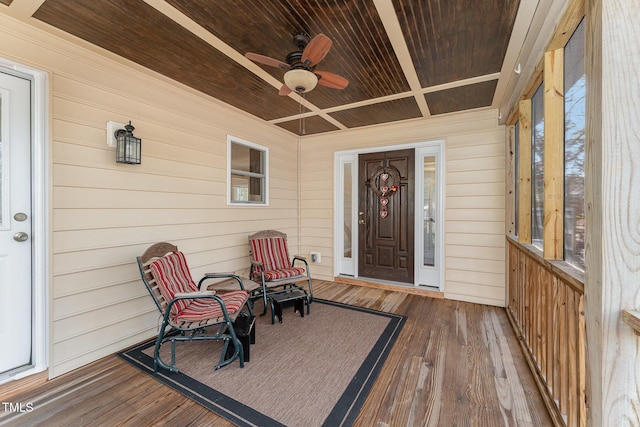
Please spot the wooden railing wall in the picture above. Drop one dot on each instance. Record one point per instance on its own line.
(546, 308)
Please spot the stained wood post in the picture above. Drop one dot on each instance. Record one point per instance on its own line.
(553, 154)
(510, 184)
(524, 171)
(612, 154)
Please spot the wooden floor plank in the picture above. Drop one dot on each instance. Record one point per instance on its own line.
(454, 363)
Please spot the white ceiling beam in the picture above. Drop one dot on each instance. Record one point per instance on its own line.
(459, 83)
(204, 34)
(391, 24)
(444, 86)
(23, 9)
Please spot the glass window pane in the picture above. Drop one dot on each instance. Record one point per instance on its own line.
(239, 188)
(574, 137)
(246, 159)
(248, 178)
(348, 210)
(537, 164)
(430, 214)
(246, 189)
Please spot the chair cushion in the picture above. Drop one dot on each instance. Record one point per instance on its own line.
(209, 308)
(283, 273)
(271, 252)
(172, 275)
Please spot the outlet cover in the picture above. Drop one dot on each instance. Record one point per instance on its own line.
(316, 257)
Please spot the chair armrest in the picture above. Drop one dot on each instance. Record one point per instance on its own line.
(232, 282)
(193, 295)
(256, 272)
(207, 276)
(299, 258)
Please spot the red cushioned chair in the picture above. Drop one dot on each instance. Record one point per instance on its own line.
(196, 312)
(272, 267)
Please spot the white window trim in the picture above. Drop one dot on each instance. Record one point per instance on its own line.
(233, 140)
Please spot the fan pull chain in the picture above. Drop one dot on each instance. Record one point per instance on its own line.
(302, 129)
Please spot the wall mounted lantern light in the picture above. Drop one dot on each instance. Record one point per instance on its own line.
(128, 147)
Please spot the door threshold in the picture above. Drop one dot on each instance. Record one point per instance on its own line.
(390, 286)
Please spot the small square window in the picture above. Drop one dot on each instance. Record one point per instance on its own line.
(247, 173)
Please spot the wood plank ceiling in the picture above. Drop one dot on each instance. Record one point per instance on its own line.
(404, 59)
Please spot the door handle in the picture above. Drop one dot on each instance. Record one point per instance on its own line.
(21, 236)
(361, 221)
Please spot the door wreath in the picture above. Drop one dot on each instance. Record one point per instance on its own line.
(384, 182)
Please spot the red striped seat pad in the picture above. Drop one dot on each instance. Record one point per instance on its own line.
(172, 276)
(283, 273)
(274, 256)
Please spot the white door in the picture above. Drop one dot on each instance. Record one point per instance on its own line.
(16, 308)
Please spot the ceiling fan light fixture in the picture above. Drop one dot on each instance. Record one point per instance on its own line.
(300, 80)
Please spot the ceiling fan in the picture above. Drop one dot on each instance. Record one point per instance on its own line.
(301, 75)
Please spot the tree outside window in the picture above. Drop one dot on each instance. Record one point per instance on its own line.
(537, 171)
(574, 138)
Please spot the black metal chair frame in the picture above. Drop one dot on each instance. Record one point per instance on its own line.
(191, 331)
(283, 285)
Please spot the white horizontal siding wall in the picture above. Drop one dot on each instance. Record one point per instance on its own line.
(105, 214)
(474, 217)
(475, 206)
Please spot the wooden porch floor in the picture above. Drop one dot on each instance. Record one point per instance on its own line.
(454, 364)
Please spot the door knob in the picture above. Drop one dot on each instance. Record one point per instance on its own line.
(361, 221)
(20, 236)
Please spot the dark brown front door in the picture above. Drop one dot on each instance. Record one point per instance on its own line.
(386, 240)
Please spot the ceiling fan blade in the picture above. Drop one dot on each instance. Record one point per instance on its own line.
(316, 50)
(266, 60)
(331, 80)
(284, 90)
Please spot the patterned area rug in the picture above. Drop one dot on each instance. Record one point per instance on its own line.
(315, 370)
